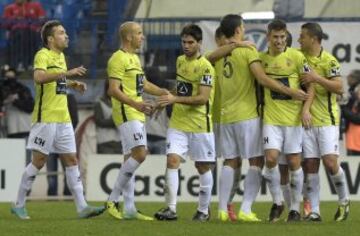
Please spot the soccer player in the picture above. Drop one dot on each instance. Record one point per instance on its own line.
(190, 128)
(52, 130)
(127, 83)
(224, 48)
(240, 123)
(283, 166)
(282, 131)
(321, 138)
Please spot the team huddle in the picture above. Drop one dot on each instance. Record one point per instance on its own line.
(277, 109)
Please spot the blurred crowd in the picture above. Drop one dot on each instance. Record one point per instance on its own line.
(351, 114)
(21, 21)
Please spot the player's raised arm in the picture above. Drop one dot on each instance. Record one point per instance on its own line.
(274, 85)
(224, 50)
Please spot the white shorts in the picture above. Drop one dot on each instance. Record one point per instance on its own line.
(241, 139)
(320, 141)
(132, 134)
(198, 146)
(286, 139)
(217, 136)
(52, 138)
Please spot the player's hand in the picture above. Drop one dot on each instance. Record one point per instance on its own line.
(165, 91)
(145, 107)
(78, 86)
(78, 71)
(306, 119)
(299, 94)
(167, 99)
(309, 77)
(157, 110)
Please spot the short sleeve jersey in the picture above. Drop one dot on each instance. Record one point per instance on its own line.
(324, 109)
(237, 85)
(50, 98)
(190, 75)
(286, 68)
(126, 68)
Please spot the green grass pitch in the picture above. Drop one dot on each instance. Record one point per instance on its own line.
(59, 218)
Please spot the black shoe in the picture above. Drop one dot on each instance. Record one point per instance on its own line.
(293, 216)
(200, 216)
(275, 212)
(165, 214)
(342, 212)
(313, 216)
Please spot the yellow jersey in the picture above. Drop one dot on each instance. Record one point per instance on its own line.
(50, 98)
(238, 87)
(280, 109)
(324, 109)
(126, 68)
(190, 75)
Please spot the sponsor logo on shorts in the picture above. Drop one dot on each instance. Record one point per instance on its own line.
(39, 141)
(266, 140)
(138, 136)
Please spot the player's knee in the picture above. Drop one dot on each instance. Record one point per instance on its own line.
(140, 158)
(139, 153)
(202, 167)
(39, 162)
(233, 163)
(257, 161)
(331, 165)
(173, 162)
(311, 165)
(71, 161)
(270, 161)
(294, 164)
